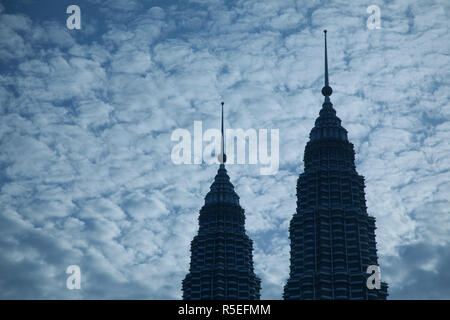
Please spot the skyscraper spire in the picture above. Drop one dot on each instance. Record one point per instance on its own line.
(222, 156)
(326, 90)
(326, 58)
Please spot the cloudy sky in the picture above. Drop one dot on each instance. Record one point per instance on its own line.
(86, 174)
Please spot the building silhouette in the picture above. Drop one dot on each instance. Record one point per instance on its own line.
(221, 265)
(332, 236)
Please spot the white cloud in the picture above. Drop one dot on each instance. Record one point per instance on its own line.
(85, 170)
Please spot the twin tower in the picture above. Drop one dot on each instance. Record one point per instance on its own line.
(332, 236)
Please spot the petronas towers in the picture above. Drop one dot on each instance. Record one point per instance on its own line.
(332, 236)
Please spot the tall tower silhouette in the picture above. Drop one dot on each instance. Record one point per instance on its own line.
(332, 236)
(221, 253)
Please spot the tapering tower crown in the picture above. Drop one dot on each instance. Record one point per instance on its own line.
(327, 125)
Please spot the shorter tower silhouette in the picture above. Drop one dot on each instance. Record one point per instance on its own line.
(221, 253)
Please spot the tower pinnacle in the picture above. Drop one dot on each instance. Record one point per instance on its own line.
(222, 156)
(326, 90)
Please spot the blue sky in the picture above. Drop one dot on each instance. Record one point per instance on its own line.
(86, 118)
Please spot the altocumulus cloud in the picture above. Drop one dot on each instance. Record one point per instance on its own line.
(86, 119)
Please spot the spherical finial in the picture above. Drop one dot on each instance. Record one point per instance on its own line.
(325, 31)
(327, 91)
(222, 158)
(222, 103)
